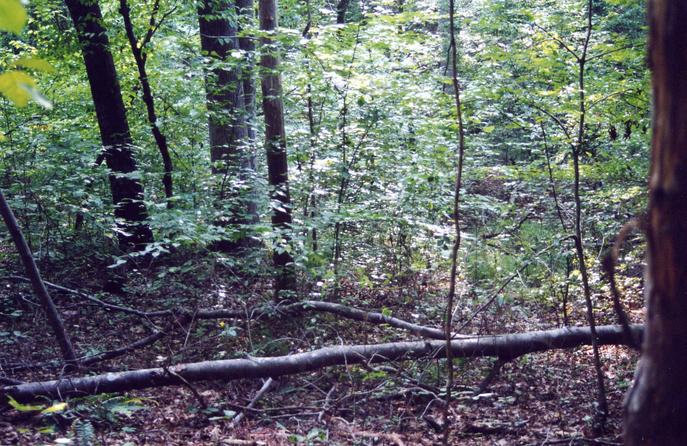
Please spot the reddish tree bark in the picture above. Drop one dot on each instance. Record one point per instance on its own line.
(656, 405)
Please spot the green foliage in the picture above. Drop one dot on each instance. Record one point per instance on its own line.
(84, 433)
(23, 407)
(313, 437)
(12, 16)
(17, 86)
(372, 173)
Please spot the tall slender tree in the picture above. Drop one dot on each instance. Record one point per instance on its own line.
(127, 191)
(138, 49)
(656, 405)
(275, 146)
(54, 318)
(226, 102)
(460, 157)
(246, 11)
(579, 146)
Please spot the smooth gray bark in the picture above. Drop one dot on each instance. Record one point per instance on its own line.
(505, 347)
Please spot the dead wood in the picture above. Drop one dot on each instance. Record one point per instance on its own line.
(506, 347)
(259, 313)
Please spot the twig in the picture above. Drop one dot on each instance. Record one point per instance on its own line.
(325, 406)
(53, 316)
(493, 373)
(393, 437)
(551, 180)
(95, 300)
(609, 263)
(575, 441)
(187, 384)
(260, 393)
(555, 119)
(10, 381)
(511, 230)
(557, 40)
(110, 354)
(262, 312)
(239, 442)
(494, 295)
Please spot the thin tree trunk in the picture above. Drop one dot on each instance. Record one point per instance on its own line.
(656, 405)
(160, 138)
(275, 145)
(127, 192)
(602, 405)
(246, 11)
(310, 202)
(448, 318)
(346, 165)
(37, 283)
(343, 177)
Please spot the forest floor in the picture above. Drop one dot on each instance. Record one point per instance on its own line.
(538, 399)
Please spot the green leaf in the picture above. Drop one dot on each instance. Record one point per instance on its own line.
(16, 86)
(57, 407)
(23, 407)
(12, 16)
(126, 407)
(34, 63)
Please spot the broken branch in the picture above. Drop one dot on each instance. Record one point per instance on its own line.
(507, 347)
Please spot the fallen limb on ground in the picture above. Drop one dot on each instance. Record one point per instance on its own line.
(506, 347)
(263, 312)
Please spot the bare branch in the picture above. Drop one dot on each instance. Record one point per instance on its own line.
(557, 40)
(506, 347)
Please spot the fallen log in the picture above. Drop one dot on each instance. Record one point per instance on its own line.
(506, 347)
(368, 317)
(267, 312)
(263, 312)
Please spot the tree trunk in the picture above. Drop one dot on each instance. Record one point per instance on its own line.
(506, 347)
(275, 145)
(39, 288)
(127, 191)
(601, 411)
(341, 8)
(218, 38)
(137, 49)
(229, 136)
(656, 405)
(246, 11)
(460, 156)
